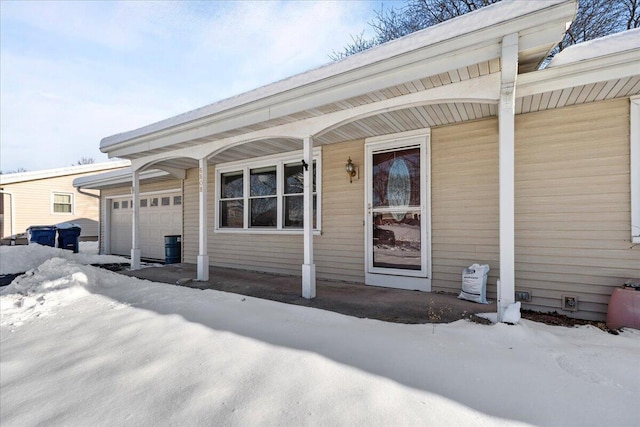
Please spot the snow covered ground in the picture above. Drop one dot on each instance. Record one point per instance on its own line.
(84, 346)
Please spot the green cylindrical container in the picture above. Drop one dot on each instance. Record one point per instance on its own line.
(172, 249)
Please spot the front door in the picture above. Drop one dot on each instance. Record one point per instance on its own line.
(397, 218)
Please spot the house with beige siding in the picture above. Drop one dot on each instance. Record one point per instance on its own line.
(404, 164)
(48, 197)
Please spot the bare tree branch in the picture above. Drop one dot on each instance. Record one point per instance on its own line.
(595, 18)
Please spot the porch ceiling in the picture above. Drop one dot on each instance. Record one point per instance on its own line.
(600, 91)
(382, 124)
(419, 117)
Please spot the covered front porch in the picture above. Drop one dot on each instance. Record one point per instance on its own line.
(238, 154)
(353, 299)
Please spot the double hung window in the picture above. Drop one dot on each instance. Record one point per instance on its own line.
(62, 203)
(264, 195)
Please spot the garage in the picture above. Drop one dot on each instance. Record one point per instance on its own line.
(160, 215)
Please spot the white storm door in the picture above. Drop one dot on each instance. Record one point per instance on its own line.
(397, 219)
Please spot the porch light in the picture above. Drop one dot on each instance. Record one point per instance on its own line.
(351, 169)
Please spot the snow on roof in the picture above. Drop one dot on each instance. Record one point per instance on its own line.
(483, 18)
(71, 170)
(614, 43)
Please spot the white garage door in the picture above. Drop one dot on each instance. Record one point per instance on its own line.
(160, 215)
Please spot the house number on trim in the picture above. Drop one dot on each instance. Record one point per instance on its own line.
(200, 179)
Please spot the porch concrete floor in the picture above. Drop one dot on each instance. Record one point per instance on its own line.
(353, 299)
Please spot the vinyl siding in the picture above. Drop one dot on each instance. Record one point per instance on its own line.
(339, 251)
(190, 215)
(573, 206)
(33, 205)
(464, 202)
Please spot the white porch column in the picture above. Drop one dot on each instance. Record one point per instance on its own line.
(203, 258)
(506, 115)
(135, 223)
(308, 268)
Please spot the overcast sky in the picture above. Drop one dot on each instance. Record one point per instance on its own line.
(74, 72)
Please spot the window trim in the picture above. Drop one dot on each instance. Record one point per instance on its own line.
(277, 160)
(53, 203)
(634, 143)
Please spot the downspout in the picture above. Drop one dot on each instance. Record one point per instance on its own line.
(12, 210)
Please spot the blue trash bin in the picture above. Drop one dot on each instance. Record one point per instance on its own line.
(68, 236)
(42, 235)
(172, 249)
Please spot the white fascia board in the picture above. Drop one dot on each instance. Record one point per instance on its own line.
(615, 66)
(119, 177)
(53, 173)
(395, 62)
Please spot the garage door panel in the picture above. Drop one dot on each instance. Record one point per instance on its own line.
(160, 217)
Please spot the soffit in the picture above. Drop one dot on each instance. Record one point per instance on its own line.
(420, 117)
(417, 85)
(429, 116)
(600, 91)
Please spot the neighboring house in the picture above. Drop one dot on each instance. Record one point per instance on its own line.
(48, 197)
(462, 151)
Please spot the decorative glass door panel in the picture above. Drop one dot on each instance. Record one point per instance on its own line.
(396, 205)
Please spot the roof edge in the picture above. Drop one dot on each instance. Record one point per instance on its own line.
(431, 36)
(14, 178)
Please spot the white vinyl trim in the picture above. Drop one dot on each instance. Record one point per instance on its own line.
(635, 168)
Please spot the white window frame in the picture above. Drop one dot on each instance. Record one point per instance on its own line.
(634, 142)
(62, 193)
(278, 160)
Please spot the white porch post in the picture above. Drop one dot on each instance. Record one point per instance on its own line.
(203, 258)
(135, 223)
(506, 114)
(308, 268)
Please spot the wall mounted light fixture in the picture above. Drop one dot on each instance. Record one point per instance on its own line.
(351, 169)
